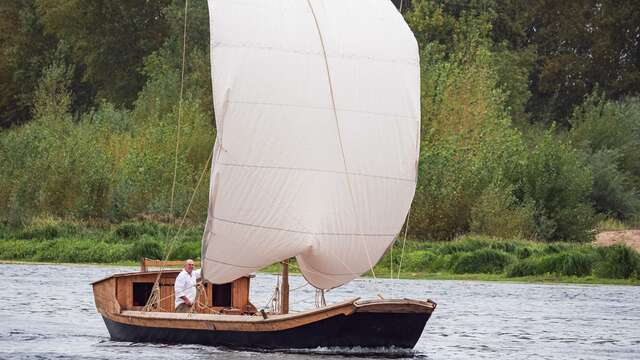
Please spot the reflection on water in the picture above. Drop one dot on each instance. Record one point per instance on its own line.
(47, 312)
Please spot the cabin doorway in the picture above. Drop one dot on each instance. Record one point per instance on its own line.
(141, 293)
(222, 295)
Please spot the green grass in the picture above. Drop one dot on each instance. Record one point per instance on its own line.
(466, 258)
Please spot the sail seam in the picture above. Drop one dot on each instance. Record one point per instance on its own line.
(325, 108)
(255, 46)
(229, 264)
(299, 231)
(259, 266)
(317, 170)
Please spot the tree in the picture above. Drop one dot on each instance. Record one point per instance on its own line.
(109, 40)
(24, 52)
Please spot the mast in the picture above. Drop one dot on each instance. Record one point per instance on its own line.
(284, 290)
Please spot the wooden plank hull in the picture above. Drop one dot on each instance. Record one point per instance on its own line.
(365, 329)
(364, 323)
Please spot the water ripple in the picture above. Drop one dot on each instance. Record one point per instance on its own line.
(479, 320)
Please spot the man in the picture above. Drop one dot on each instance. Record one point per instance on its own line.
(185, 287)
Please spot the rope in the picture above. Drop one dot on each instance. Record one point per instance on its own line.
(320, 300)
(391, 256)
(175, 237)
(184, 52)
(404, 241)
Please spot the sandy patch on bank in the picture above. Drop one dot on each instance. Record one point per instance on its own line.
(629, 237)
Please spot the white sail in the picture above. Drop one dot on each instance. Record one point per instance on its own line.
(317, 106)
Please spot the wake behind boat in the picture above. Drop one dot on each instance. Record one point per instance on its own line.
(317, 107)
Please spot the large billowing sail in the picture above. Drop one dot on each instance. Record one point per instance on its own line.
(317, 106)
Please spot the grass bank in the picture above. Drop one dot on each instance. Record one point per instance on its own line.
(466, 258)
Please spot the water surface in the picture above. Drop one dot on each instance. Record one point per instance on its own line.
(47, 312)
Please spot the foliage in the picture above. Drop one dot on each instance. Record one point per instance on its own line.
(498, 213)
(558, 181)
(611, 224)
(104, 164)
(147, 247)
(105, 33)
(24, 51)
(609, 133)
(98, 140)
(468, 144)
(482, 261)
(619, 261)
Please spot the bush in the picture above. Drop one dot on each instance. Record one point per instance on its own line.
(463, 244)
(618, 262)
(601, 125)
(47, 228)
(146, 247)
(482, 261)
(498, 213)
(611, 224)
(134, 230)
(572, 263)
(613, 193)
(577, 264)
(558, 182)
(419, 260)
(186, 250)
(527, 267)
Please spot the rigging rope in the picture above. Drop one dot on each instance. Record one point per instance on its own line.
(404, 241)
(184, 52)
(156, 287)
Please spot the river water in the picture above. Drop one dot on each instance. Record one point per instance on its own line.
(47, 312)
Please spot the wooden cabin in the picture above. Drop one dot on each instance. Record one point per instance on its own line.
(132, 291)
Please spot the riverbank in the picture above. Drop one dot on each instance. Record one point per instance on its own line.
(466, 258)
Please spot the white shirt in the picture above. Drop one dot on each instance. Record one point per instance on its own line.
(185, 285)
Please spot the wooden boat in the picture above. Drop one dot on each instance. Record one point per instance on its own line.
(226, 318)
(317, 107)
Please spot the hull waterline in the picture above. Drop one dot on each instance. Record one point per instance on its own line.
(359, 329)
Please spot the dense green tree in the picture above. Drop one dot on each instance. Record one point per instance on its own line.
(108, 40)
(24, 52)
(579, 45)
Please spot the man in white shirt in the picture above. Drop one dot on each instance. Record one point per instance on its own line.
(185, 287)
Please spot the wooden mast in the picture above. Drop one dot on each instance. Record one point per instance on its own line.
(284, 290)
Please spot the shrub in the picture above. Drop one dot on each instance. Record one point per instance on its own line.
(186, 250)
(419, 260)
(613, 193)
(527, 267)
(133, 230)
(609, 224)
(498, 213)
(146, 247)
(47, 228)
(523, 252)
(482, 261)
(463, 244)
(600, 125)
(577, 264)
(618, 262)
(558, 182)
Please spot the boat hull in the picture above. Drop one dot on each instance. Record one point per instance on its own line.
(366, 329)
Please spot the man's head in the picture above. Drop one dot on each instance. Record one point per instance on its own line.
(188, 266)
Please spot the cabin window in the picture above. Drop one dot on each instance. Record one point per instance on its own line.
(222, 295)
(141, 293)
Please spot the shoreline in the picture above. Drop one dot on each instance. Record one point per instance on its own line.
(533, 280)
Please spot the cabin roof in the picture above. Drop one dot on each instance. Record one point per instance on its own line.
(170, 271)
(135, 273)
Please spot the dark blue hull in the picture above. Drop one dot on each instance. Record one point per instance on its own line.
(364, 329)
